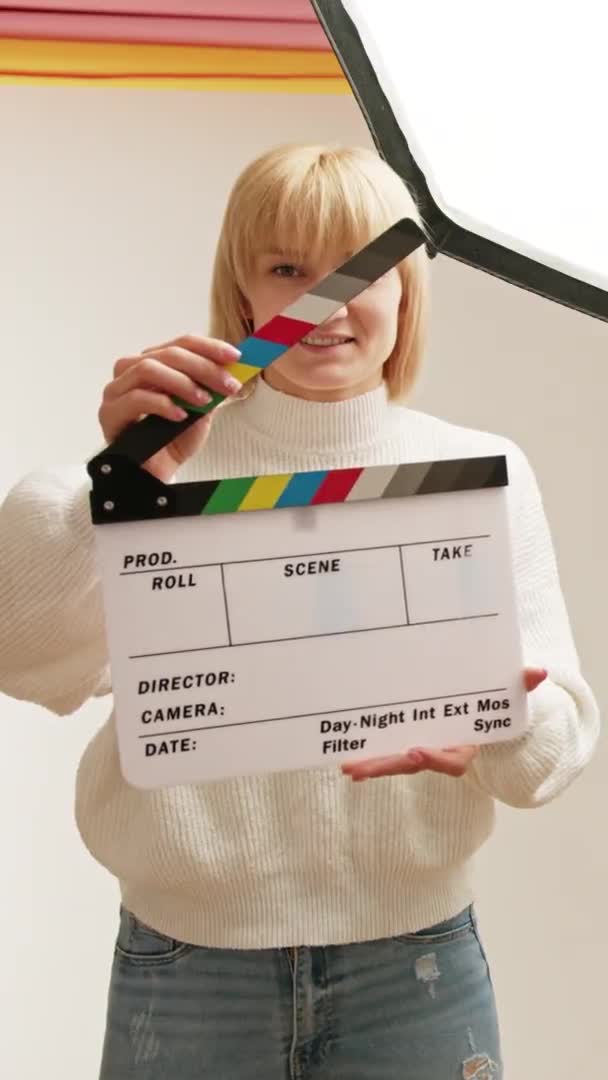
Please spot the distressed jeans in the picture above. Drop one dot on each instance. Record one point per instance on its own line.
(413, 1007)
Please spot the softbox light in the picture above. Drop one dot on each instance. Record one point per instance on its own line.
(494, 115)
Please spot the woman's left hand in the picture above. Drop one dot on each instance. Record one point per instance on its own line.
(452, 762)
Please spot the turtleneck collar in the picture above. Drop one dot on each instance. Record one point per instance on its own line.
(298, 424)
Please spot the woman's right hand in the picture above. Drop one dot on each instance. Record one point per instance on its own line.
(186, 367)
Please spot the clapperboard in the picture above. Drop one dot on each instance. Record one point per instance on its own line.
(281, 622)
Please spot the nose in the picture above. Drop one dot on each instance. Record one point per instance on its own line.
(341, 313)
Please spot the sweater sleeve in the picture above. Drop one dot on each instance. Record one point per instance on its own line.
(564, 720)
(52, 636)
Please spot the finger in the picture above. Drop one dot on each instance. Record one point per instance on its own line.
(116, 415)
(179, 449)
(533, 677)
(449, 762)
(151, 374)
(199, 431)
(454, 762)
(394, 765)
(125, 362)
(219, 351)
(190, 441)
(203, 370)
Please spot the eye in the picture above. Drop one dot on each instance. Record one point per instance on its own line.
(287, 270)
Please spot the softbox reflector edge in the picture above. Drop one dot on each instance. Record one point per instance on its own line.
(446, 235)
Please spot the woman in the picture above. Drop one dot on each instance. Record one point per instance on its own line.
(294, 924)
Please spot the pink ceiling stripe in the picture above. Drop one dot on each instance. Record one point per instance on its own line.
(289, 10)
(157, 30)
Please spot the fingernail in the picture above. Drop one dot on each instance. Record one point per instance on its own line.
(179, 414)
(232, 385)
(202, 396)
(232, 351)
(414, 757)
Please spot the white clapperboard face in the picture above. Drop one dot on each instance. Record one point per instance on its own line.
(284, 622)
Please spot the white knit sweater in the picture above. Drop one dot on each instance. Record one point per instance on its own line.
(305, 857)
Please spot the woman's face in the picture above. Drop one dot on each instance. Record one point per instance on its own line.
(346, 355)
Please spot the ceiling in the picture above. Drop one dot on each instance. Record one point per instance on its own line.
(200, 44)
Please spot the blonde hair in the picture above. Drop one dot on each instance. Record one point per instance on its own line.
(313, 200)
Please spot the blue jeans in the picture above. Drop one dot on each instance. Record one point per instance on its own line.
(415, 1007)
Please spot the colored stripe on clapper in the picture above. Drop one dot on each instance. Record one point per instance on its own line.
(276, 492)
(262, 348)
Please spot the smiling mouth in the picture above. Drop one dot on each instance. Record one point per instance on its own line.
(326, 341)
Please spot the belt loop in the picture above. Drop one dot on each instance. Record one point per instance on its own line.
(294, 1006)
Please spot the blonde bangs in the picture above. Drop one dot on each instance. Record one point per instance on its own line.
(313, 203)
(317, 203)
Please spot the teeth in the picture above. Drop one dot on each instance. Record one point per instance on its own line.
(312, 339)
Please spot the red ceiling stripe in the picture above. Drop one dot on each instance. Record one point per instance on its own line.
(284, 25)
(44, 74)
(199, 34)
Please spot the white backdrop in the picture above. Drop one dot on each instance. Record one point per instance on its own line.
(109, 208)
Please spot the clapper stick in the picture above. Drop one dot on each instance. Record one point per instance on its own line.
(258, 351)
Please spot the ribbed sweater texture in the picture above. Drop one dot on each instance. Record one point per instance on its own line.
(305, 856)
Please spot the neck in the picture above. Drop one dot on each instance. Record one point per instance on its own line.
(278, 381)
(295, 423)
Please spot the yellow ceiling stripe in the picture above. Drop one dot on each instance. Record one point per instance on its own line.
(186, 66)
(247, 85)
